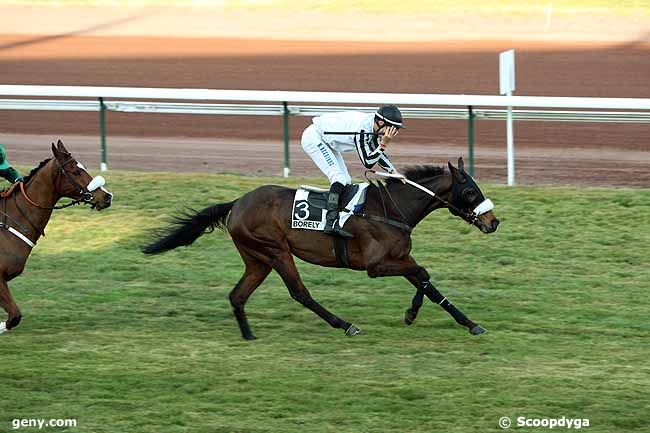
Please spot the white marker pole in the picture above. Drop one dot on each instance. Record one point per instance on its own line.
(549, 16)
(506, 86)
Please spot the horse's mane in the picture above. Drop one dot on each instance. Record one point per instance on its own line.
(419, 172)
(33, 172)
(35, 169)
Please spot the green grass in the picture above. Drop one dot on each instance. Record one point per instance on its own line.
(127, 343)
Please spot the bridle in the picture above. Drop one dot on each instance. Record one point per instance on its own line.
(84, 197)
(84, 192)
(469, 217)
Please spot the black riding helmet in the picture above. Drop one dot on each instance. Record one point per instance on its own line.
(391, 115)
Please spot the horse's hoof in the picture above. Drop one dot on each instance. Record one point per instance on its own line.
(3, 327)
(352, 331)
(409, 317)
(250, 337)
(477, 330)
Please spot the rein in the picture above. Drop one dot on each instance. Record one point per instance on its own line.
(33, 203)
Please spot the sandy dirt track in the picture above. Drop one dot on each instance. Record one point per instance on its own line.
(256, 157)
(598, 154)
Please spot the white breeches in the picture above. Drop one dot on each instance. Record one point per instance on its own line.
(329, 161)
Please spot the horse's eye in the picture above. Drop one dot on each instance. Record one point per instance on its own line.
(471, 195)
(76, 172)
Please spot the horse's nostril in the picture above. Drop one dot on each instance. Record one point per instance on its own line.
(495, 224)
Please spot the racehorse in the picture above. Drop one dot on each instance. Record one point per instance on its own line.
(25, 210)
(259, 224)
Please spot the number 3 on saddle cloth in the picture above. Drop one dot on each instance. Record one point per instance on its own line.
(309, 206)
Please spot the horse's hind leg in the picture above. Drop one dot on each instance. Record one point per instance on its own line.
(285, 266)
(7, 303)
(255, 273)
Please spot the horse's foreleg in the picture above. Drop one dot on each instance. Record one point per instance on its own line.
(285, 266)
(419, 277)
(412, 272)
(255, 273)
(432, 293)
(7, 303)
(412, 313)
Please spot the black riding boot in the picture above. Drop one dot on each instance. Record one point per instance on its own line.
(332, 217)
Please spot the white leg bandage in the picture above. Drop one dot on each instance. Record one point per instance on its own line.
(3, 327)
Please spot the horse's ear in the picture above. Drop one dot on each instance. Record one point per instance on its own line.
(461, 164)
(61, 147)
(454, 171)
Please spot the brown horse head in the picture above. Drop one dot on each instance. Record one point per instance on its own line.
(76, 183)
(469, 202)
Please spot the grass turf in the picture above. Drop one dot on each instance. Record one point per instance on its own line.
(123, 342)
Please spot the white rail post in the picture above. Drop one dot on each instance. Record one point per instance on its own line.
(506, 86)
(285, 123)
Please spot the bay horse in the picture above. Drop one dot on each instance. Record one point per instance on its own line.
(259, 224)
(25, 210)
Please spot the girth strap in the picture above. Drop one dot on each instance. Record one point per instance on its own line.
(341, 251)
(407, 228)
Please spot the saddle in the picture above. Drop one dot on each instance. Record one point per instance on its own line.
(318, 196)
(310, 206)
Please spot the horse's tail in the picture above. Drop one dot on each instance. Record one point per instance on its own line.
(188, 227)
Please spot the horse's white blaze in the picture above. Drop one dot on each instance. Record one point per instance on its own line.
(97, 182)
(485, 207)
(81, 166)
(3, 327)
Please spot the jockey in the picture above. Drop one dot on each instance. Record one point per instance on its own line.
(6, 170)
(331, 134)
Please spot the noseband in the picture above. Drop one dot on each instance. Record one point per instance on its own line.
(472, 217)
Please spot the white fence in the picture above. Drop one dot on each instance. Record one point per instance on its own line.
(290, 103)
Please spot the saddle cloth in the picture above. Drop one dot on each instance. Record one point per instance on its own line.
(310, 206)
